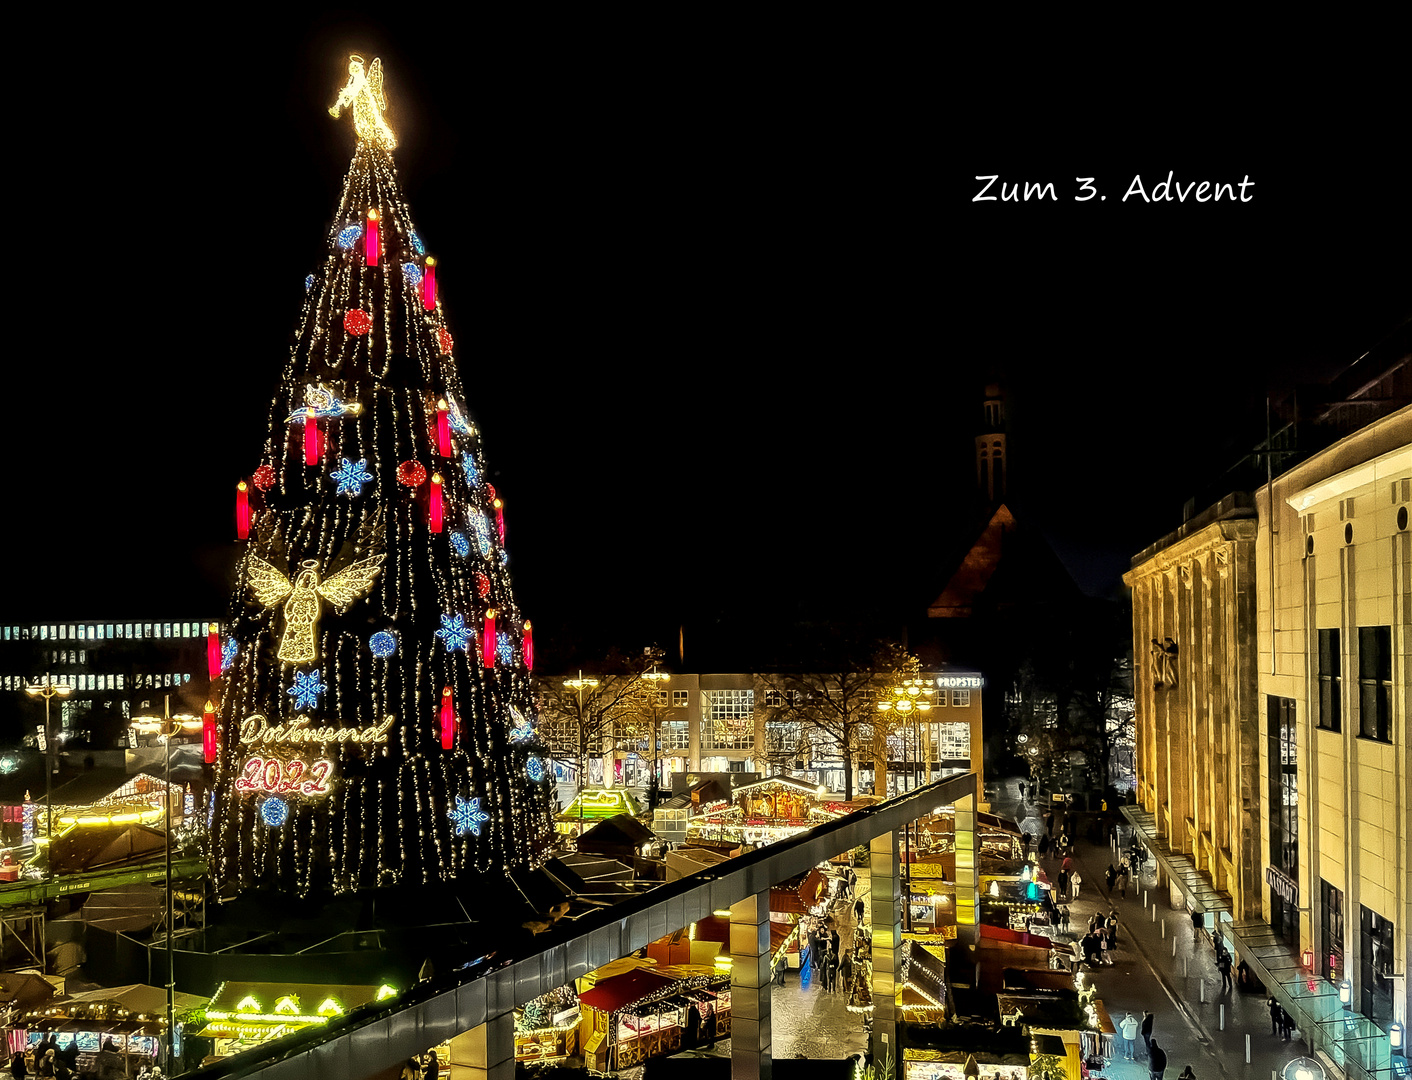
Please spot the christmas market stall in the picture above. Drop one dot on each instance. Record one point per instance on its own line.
(642, 1014)
(764, 812)
(546, 1029)
(1077, 1019)
(246, 1014)
(593, 805)
(134, 1017)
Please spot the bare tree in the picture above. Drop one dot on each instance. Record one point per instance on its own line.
(835, 709)
(597, 710)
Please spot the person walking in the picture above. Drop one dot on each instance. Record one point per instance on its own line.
(1049, 824)
(1274, 1007)
(1147, 1031)
(1223, 962)
(1123, 881)
(1156, 1060)
(1075, 880)
(1111, 876)
(1286, 1025)
(845, 970)
(17, 1066)
(432, 1069)
(1128, 1027)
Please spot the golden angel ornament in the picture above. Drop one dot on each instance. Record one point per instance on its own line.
(299, 642)
(364, 93)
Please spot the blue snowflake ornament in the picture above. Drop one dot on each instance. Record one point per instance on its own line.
(349, 236)
(468, 817)
(504, 648)
(274, 812)
(306, 690)
(460, 544)
(417, 244)
(534, 768)
(351, 476)
(308, 282)
(228, 652)
(454, 633)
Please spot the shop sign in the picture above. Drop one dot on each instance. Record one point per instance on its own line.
(960, 682)
(1282, 886)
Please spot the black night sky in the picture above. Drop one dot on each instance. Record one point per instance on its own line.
(724, 311)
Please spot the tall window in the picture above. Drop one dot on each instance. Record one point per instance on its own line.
(1284, 813)
(674, 735)
(1330, 681)
(1331, 927)
(1376, 956)
(729, 723)
(1375, 682)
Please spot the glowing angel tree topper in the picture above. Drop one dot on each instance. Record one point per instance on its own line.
(354, 612)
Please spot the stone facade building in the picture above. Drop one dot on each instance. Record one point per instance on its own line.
(1198, 733)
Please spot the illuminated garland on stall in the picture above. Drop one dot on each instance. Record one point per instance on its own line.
(355, 608)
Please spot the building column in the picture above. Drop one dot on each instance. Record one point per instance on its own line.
(885, 906)
(486, 1052)
(750, 987)
(967, 883)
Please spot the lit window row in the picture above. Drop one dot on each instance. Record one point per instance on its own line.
(103, 631)
(153, 681)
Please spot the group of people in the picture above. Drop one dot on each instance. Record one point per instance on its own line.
(49, 1059)
(1129, 1028)
(425, 1068)
(1281, 1023)
(1117, 876)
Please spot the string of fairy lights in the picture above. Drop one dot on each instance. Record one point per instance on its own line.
(375, 718)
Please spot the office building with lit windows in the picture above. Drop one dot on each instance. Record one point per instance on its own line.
(116, 669)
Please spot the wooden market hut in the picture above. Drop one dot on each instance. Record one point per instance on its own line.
(245, 1014)
(640, 1014)
(133, 1016)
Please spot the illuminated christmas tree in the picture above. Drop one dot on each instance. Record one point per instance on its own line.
(375, 723)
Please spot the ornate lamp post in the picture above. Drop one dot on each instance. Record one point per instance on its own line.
(579, 685)
(48, 690)
(655, 679)
(908, 697)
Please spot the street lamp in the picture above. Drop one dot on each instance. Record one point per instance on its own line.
(167, 727)
(908, 696)
(655, 680)
(579, 685)
(48, 690)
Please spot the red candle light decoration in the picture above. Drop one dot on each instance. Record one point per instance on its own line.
(443, 429)
(487, 648)
(213, 651)
(448, 719)
(500, 520)
(242, 511)
(311, 436)
(373, 237)
(429, 285)
(434, 507)
(208, 733)
(529, 647)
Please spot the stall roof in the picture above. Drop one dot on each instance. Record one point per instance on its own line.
(992, 821)
(268, 994)
(25, 991)
(610, 995)
(621, 830)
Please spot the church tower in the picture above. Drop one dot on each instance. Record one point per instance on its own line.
(990, 448)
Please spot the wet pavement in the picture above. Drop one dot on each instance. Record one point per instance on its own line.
(1161, 964)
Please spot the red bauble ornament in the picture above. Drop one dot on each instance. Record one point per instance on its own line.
(357, 322)
(482, 585)
(264, 478)
(411, 474)
(444, 340)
